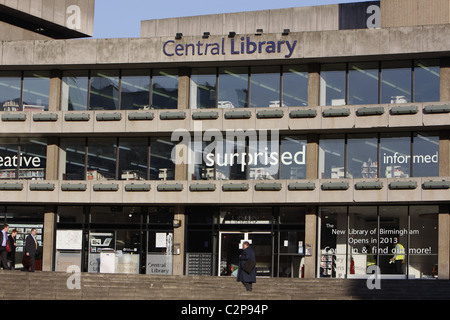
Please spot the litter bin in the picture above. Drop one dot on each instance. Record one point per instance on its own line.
(108, 261)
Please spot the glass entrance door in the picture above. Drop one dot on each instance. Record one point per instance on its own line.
(230, 247)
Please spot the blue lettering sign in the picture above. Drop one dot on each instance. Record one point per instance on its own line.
(244, 46)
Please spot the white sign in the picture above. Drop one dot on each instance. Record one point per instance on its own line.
(160, 241)
(69, 239)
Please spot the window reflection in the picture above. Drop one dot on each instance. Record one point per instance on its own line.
(135, 90)
(231, 160)
(293, 157)
(333, 84)
(165, 89)
(395, 154)
(233, 88)
(203, 88)
(426, 155)
(101, 159)
(362, 156)
(36, 89)
(133, 158)
(161, 165)
(396, 82)
(295, 86)
(265, 87)
(426, 80)
(10, 91)
(363, 83)
(332, 157)
(73, 159)
(104, 92)
(198, 168)
(74, 90)
(9, 148)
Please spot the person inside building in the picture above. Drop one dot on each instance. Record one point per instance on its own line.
(399, 257)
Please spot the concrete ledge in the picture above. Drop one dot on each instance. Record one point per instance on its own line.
(129, 121)
(339, 191)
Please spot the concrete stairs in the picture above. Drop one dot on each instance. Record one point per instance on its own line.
(17, 285)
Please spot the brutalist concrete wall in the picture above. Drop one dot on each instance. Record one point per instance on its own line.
(316, 18)
(77, 15)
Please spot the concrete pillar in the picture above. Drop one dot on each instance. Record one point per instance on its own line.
(313, 84)
(444, 154)
(312, 156)
(51, 173)
(55, 91)
(312, 172)
(444, 243)
(48, 238)
(310, 241)
(180, 174)
(178, 241)
(183, 88)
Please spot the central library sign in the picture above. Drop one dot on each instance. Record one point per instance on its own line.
(243, 45)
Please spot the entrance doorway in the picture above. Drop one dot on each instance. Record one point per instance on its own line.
(230, 247)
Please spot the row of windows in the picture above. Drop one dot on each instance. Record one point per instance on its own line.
(226, 87)
(396, 155)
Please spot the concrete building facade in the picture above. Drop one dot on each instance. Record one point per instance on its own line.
(320, 134)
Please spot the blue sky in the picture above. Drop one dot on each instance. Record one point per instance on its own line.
(121, 18)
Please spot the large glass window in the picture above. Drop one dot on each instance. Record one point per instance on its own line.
(233, 88)
(426, 80)
(133, 158)
(10, 91)
(400, 240)
(165, 89)
(72, 158)
(104, 92)
(265, 87)
(161, 164)
(33, 159)
(423, 241)
(36, 90)
(363, 83)
(9, 149)
(395, 156)
(24, 159)
(231, 160)
(262, 159)
(374, 82)
(333, 242)
(425, 155)
(203, 88)
(295, 86)
(198, 168)
(332, 157)
(333, 88)
(362, 239)
(396, 82)
(101, 159)
(393, 245)
(293, 157)
(135, 90)
(362, 156)
(74, 90)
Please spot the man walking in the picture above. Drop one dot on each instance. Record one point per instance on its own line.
(3, 251)
(247, 275)
(31, 247)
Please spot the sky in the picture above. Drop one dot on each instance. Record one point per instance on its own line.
(122, 18)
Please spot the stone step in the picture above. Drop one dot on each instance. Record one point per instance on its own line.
(53, 286)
